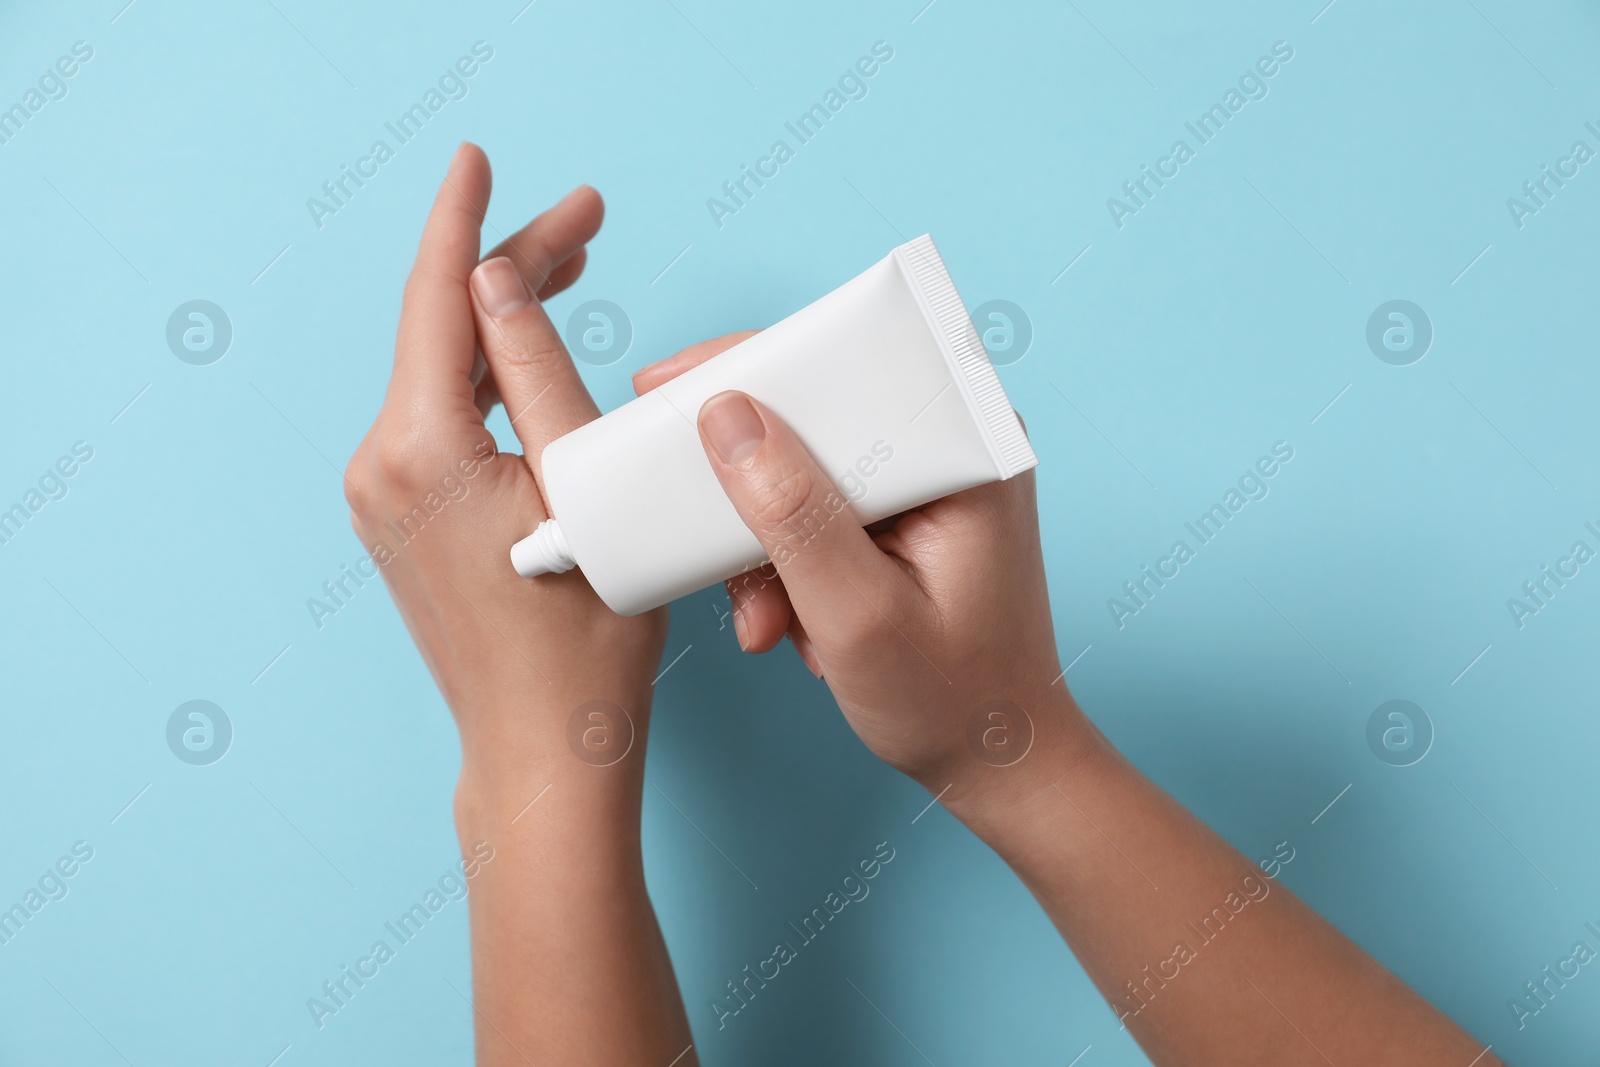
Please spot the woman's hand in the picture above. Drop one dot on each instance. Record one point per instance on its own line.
(932, 629)
(439, 508)
(564, 941)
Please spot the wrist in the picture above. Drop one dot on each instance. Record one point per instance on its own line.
(510, 732)
(573, 810)
(587, 759)
(1013, 759)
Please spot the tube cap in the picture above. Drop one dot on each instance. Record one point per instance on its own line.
(544, 551)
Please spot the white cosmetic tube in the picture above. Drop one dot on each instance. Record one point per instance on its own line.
(885, 382)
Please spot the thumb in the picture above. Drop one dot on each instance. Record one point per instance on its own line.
(838, 580)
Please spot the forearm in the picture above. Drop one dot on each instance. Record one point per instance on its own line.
(1205, 958)
(568, 964)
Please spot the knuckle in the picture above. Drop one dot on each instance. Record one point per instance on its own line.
(785, 504)
(534, 254)
(358, 487)
(396, 456)
(859, 626)
(420, 282)
(527, 348)
(852, 629)
(410, 294)
(357, 492)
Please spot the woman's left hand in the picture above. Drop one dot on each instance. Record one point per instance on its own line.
(439, 508)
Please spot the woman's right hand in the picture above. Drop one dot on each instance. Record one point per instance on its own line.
(933, 632)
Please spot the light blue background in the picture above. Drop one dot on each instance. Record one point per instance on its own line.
(1222, 318)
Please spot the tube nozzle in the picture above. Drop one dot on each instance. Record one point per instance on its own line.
(544, 551)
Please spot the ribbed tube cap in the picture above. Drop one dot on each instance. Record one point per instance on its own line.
(544, 551)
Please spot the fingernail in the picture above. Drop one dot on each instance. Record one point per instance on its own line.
(731, 424)
(634, 380)
(739, 630)
(499, 287)
(808, 652)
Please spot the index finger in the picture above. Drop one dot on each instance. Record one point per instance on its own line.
(663, 371)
